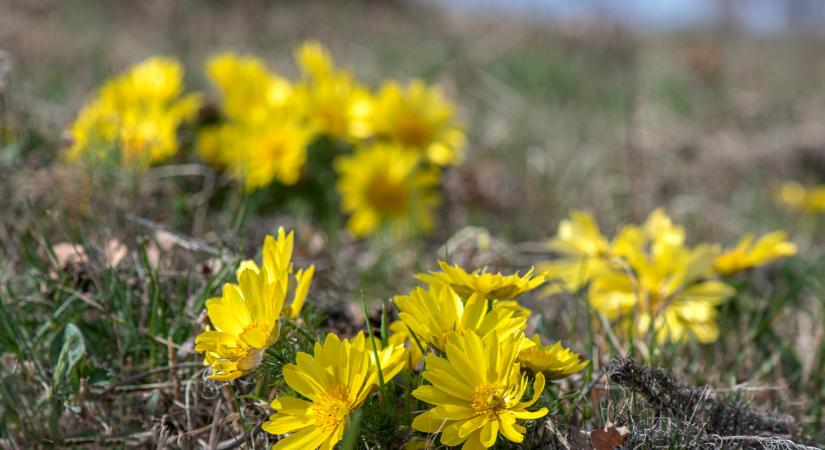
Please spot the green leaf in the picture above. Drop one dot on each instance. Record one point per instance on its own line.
(73, 350)
(8, 331)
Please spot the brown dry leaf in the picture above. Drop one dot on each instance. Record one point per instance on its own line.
(115, 252)
(68, 253)
(165, 240)
(153, 255)
(610, 438)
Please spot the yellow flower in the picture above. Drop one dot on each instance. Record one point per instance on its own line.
(418, 118)
(336, 380)
(492, 286)
(135, 117)
(401, 336)
(245, 318)
(662, 284)
(314, 60)
(330, 99)
(261, 139)
(748, 254)
(275, 151)
(246, 314)
(385, 186)
(256, 155)
(277, 265)
(554, 361)
(805, 199)
(436, 313)
(249, 92)
(477, 391)
(581, 246)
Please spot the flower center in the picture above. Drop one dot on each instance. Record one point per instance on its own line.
(387, 197)
(413, 131)
(331, 407)
(257, 334)
(490, 400)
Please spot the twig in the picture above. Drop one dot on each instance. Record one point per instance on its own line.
(138, 376)
(229, 443)
(204, 429)
(173, 373)
(213, 432)
(772, 440)
(560, 436)
(186, 242)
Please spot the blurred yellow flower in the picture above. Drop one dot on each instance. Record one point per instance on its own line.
(314, 60)
(245, 318)
(748, 254)
(261, 138)
(135, 116)
(246, 315)
(249, 92)
(336, 379)
(385, 186)
(492, 286)
(581, 246)
(806, 199)
(418, 118)
(477, 391)
(218, 144)
(400, 335)
(275, 151)
(330, 99)
(436, 313)
(661, 285)
(554, 361)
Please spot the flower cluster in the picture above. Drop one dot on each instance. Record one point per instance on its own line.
(389, 144)
(472, 328)
(468, 328)
(134, 118)
(648, 278)
(383, 150)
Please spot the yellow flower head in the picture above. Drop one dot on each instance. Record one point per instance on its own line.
(249, 92)
(135, 117)
(336, 380)
(330, 99)
(748, 254)
(492, 286)
(401, 336)
(260, 140)
(664, 285)
(314, 60)
(245, 316)
(277, 266)
(477, 391)
(218, 144)
(554, 361)
(276, 151)
(384, 186)
(418, 118)
(436, 313)
(581, 246)
(801, 198)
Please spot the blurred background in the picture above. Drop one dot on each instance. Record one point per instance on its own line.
(611, 106)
